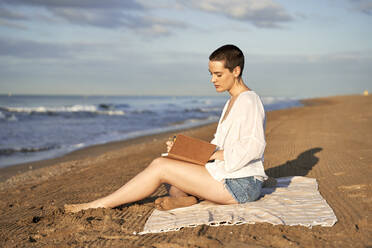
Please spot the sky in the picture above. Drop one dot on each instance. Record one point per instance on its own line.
(292, 48)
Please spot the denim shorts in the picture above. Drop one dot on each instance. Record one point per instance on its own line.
(245, 189)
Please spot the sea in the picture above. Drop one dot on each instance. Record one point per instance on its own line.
(36, 127)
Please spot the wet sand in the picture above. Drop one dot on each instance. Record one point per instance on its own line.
(329, 139)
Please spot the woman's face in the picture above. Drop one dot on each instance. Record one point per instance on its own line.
(222, 78)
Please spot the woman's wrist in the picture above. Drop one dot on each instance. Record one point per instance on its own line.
(217, 155)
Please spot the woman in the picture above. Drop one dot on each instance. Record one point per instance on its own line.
(236, 172)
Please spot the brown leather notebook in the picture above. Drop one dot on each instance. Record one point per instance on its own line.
(191, 150)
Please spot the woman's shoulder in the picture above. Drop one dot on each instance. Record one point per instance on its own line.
(248, 101)
(249, 97)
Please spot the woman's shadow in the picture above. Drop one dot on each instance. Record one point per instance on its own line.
(300, 166)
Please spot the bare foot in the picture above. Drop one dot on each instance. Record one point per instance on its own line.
(269, 183)
(74, 208)
(168, 203)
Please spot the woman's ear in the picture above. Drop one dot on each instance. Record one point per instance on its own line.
(236, 71)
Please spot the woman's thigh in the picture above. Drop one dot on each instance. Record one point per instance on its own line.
(192, 179)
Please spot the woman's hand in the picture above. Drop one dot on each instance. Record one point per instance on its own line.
(217, 155)
(169, 144)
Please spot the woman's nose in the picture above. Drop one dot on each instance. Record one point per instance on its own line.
(213, 79)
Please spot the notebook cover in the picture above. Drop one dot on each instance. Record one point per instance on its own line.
(191, 150)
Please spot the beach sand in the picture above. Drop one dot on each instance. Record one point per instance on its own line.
(329, 139)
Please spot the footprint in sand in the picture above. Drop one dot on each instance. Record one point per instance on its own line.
(357, 195)
(356, 191)
(353, 187)
(339, 173)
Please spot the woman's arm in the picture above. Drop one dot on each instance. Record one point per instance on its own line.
(217, 155)
(250, 142)
(242, 152)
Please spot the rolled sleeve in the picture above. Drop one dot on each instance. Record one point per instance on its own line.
(243, 152)
(214, 141)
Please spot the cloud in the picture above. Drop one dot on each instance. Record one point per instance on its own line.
(90, 4)
(162, 4)
(9, 18)
(118, 19)
(28, 49)
(137, 15)
(11, 15)
(261, 13)
(110, 14)
(9, 24)
(350, 57)
(155, 26)
(96, 17)
(364, 6)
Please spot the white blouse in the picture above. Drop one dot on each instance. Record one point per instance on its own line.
(241, 136)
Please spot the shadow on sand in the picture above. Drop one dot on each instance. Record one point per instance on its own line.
(300, 166)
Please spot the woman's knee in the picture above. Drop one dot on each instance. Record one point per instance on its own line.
(159, 166)
(164, 168)
(157, 163)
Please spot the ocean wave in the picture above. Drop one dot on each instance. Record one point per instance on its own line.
(111, 106)
(200, 101)
(202, 110)
(5, 117)
(207, 102)
(275, 103)
(12, 118)
(106, 106)
(122, 105)
(57, 110)
(11, 151)
(143, 111)
(110, 112)
(194, 120)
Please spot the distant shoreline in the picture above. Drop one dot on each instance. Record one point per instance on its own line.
(44, 158)
(86, 152)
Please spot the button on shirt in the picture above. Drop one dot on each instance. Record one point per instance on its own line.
(242, 138)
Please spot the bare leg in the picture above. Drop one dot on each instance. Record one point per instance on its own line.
(176, 199)
(176, 192)
(187, 177)
(167, 202)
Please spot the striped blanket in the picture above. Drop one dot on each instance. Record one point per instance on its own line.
(293, 201)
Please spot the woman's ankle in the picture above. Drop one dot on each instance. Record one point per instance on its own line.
(99, 203)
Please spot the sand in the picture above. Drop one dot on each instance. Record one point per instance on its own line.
(329, 139)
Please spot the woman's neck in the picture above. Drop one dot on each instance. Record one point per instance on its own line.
(238, 88)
